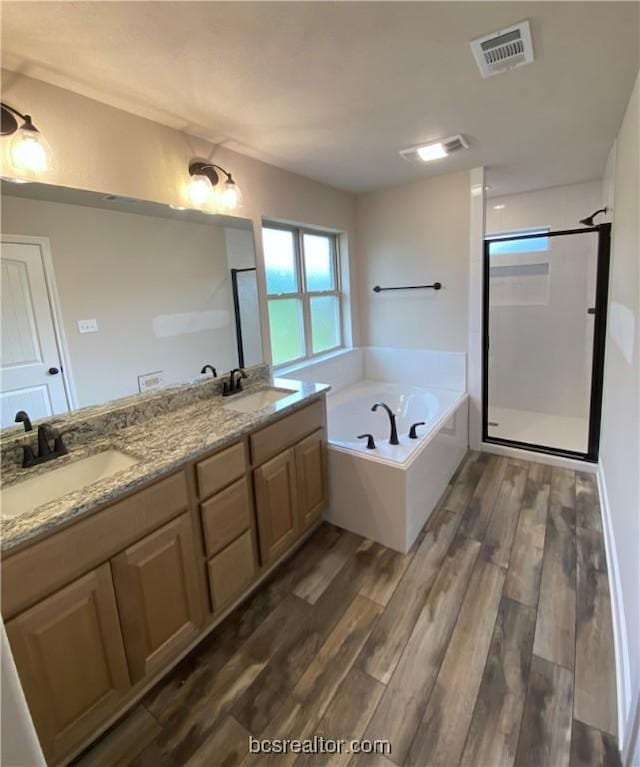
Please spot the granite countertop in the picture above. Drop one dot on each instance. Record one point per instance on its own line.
(161, 444)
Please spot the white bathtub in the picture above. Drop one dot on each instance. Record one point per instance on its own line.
(387, 494)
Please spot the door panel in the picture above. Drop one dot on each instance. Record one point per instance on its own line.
(276, 505)
(541, 290)
(70, 657)
(312, 477)
(159, 596)
(29, 346)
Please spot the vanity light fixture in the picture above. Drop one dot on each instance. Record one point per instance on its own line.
(205, 178)
(29, 151)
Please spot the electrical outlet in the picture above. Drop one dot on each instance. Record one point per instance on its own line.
(151, 380)
(87, 326)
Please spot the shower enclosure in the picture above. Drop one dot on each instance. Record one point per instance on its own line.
(545, 308)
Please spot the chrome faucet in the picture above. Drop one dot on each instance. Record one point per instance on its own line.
(393, 439)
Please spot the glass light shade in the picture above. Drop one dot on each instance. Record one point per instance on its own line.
(29, 151)
(230, 196)
(199, 190)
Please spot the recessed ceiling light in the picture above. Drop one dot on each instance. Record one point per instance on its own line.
(501, 206)
(435, 150)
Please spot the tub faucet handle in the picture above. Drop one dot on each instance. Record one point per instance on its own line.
(412, 430)
(371, 445)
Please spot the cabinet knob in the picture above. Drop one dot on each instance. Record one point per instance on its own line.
(53, 371)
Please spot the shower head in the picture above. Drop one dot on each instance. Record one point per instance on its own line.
(588, 221)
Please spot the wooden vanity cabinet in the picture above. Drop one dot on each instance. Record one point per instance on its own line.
(291, 487)
(277, 505)
(70, 655)
(156, 582)
(311, 474)
(100, 609)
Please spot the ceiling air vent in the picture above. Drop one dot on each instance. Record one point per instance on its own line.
(507, 49)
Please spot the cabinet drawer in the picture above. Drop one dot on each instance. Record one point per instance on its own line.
(231, 571)
(44, 567)
(222, 468)
(275, 438)
(226, 516)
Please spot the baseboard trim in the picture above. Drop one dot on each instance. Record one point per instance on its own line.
(626, 707)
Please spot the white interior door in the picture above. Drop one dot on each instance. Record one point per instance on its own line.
(32, 377)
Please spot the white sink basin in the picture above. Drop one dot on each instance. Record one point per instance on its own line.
(249, 403)
(55, 483)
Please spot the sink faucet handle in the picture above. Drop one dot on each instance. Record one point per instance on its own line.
(59, 448)
(28, 456)
(412, 430)
(371, 445)
(45, 434)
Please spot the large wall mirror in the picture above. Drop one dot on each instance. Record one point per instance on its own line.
(104, 297)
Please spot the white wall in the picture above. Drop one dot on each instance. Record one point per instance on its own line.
(558, 207)
(619, 449)
(413, 235)
(540, 354)
(415, 367)
(126, 271)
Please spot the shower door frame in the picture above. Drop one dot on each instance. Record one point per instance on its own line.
(603, 232)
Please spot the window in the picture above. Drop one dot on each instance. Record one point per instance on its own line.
(302, 292)
(534, 245)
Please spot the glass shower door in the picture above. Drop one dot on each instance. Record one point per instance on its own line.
(540, 322)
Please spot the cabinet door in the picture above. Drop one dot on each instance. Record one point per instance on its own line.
(311, 471)
(70, 657)
(159, 596)
(276, 505)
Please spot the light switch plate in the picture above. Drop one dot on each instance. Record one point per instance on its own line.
(151, 380)
(88, 326)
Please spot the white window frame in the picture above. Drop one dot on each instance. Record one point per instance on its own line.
(304, 295)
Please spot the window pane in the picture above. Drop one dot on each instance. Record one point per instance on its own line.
(280, 261)
(325, 323)
(534, 245)
(318, 262)
(285, 324)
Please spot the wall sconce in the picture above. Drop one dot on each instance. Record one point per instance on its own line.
(204, 179)
(28, 150)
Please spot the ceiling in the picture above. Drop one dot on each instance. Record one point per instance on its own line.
(333, 90)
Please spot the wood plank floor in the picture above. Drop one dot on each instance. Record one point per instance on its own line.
(489, 644)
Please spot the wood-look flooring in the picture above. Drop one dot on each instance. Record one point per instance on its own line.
(489, 644)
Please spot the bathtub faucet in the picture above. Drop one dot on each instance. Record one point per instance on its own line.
(393, 439)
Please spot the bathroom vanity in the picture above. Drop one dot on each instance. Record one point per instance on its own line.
(105, 589)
